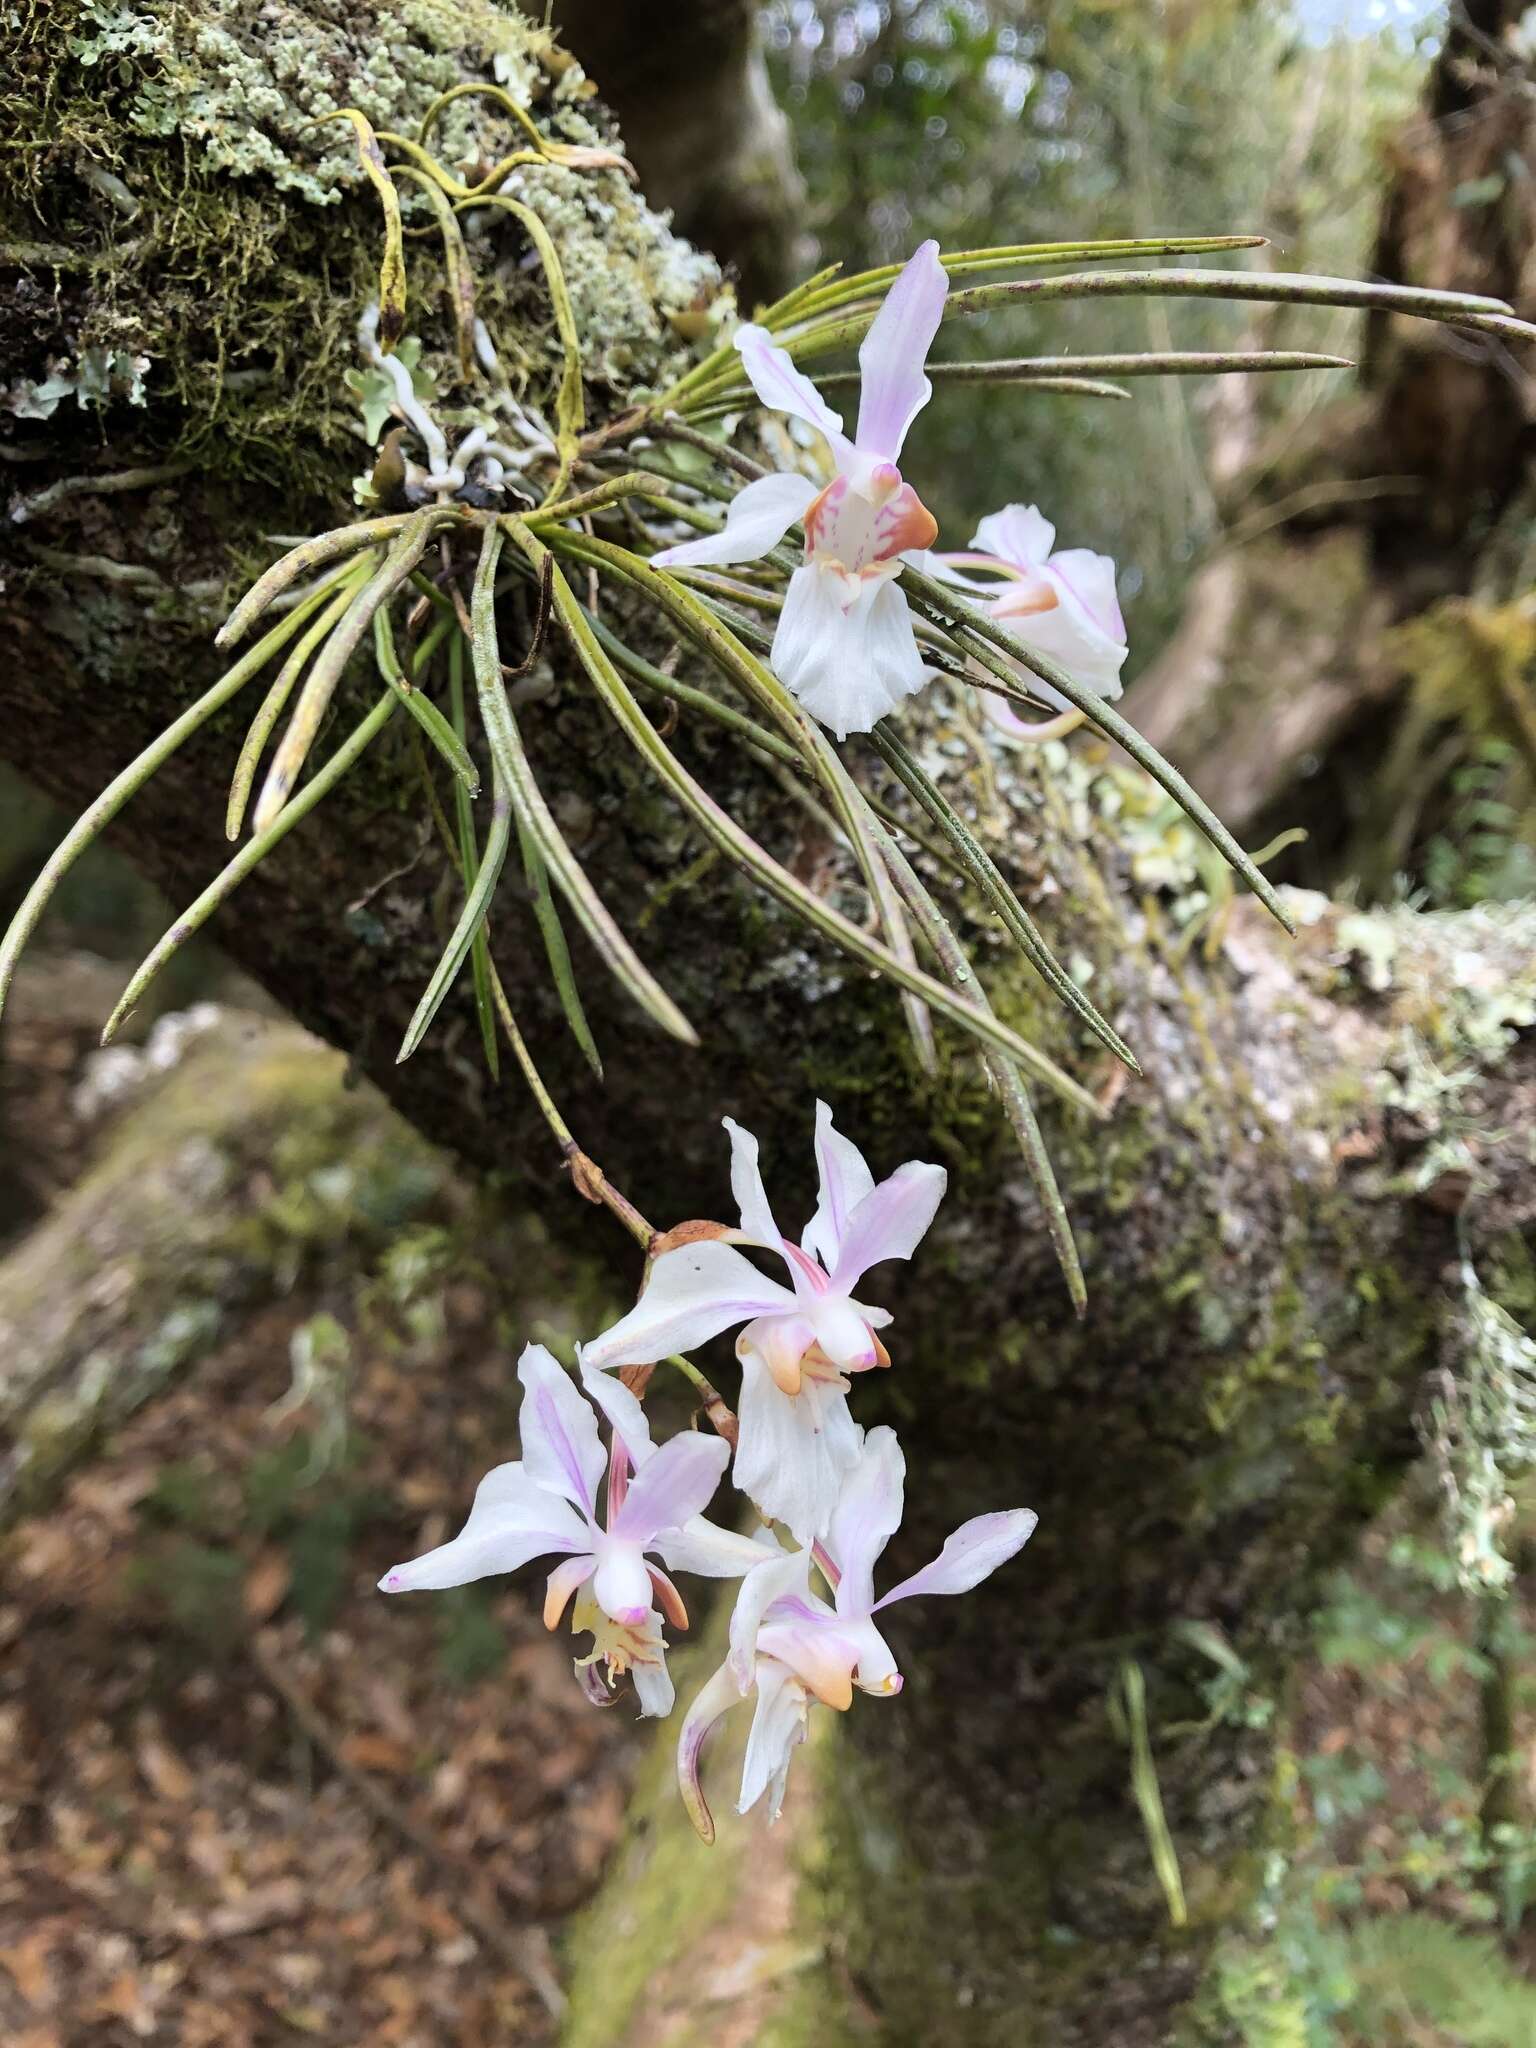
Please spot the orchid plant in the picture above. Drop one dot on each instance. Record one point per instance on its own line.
(488, 503)
(801, 1460)
(493, 500)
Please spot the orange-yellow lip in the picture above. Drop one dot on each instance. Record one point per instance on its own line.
(915, 526)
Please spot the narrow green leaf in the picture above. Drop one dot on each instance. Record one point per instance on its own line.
(1042, 371)
(556, 950)
(457, 268)
(426, 714)
(481, 969)
(320, 684)
(1148, 1793)
(250, 855)
(826, 291)
(314, 554)
(392, 267)
(1003, 1073)
(507, 749)
(471, 921)
(98, 815)
(350, 578)
(1269, 287)
(825, 337)
(990, 879)
(722, 829)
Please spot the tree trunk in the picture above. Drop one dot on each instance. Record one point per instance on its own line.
(1266, 1219)
(701, 123)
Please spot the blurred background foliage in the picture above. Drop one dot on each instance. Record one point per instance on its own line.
(979, 121)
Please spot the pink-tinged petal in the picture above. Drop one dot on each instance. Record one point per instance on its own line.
(758, 518)
(781, 1342)
(513, 1520)
(677, 1483)
(561, 1447)
(820, 1656)
(747, 1188)
(1002, 717)
(562, 1584)
(668, 1598)
(718, 1696)
(891, 1220)
(845, 1179)
(894, 389)
(691, 1295)
(710, 1552)
(623, 1411)
(1091, 660)
(782, 1575)
(792, 1450)
(782, 388)
(1019, 534)
(1065, 633)
(868, 1515)
(971, 1554)
(845, 647)
(904, 526)
(1088, 580)
(779, 1724)
(621, 1584)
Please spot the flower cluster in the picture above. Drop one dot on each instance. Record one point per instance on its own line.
(845, 644)
(800, 1458)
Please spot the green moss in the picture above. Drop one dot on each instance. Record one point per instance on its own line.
(234, 1176)
(158, 135)
(682, 1934)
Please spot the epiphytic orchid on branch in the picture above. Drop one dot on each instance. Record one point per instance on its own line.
(849, 632)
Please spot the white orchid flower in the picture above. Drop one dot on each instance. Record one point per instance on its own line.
(1061, 604)
(844, 645)
(796, 1439)
(793, 1648)
(546, 1505)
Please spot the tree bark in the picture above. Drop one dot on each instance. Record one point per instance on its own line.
(701, 123)
(1266, 1218)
